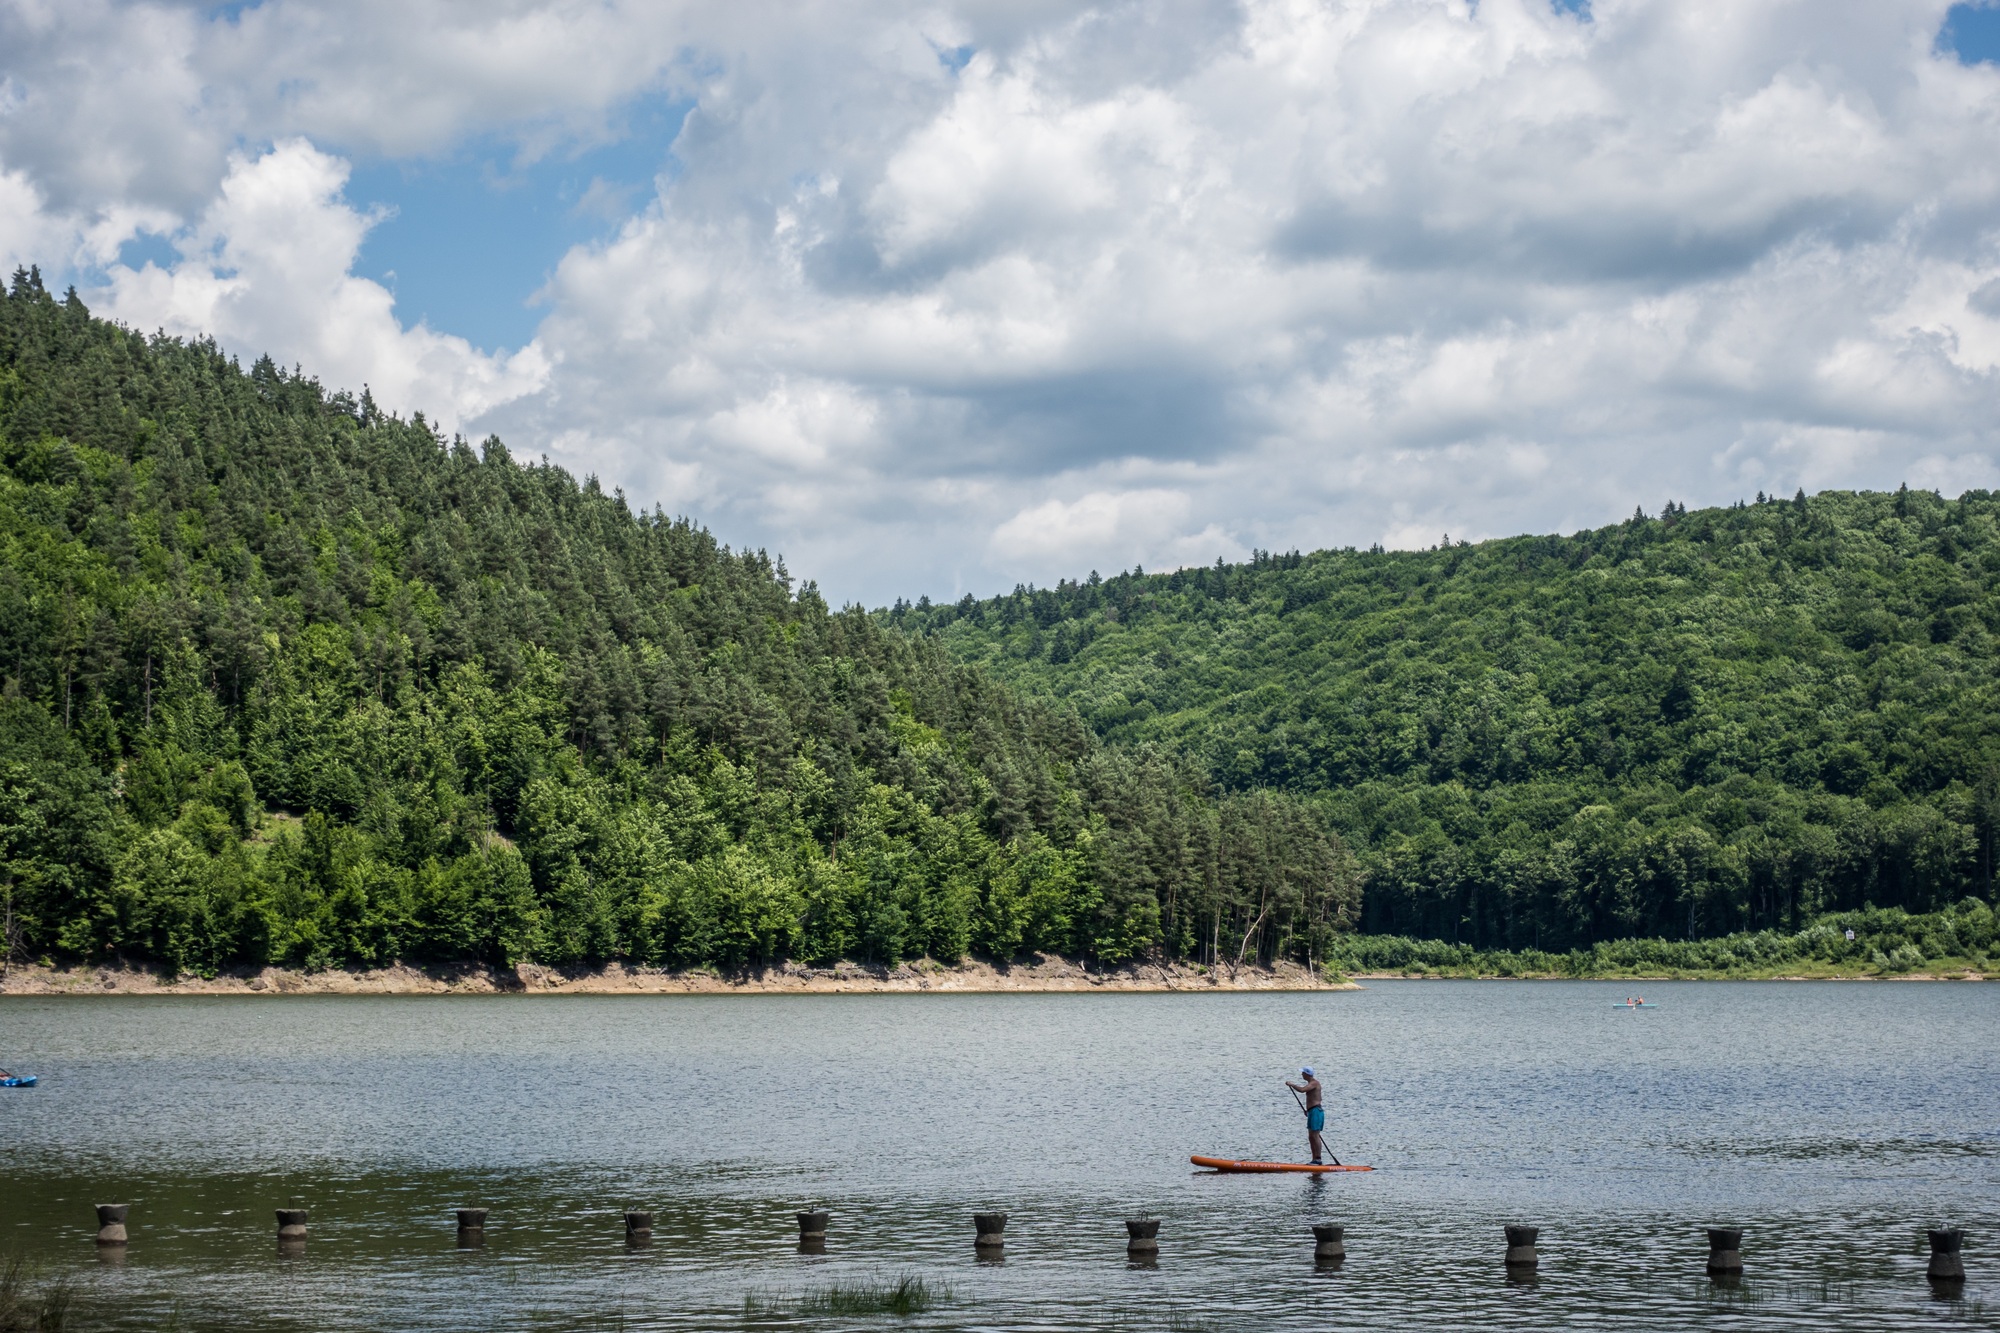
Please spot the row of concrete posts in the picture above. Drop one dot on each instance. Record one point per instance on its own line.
(1725, 1244)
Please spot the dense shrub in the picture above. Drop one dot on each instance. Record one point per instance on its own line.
(1887, 940)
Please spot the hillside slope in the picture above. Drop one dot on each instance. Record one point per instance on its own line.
(1676, 726)
(290, 680)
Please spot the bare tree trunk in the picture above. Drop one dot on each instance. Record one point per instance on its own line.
(1255, 926)
(10, 937)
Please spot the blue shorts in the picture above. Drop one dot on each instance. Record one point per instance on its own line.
(1316, 1119)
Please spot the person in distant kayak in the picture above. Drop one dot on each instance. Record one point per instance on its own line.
(1315, 1111)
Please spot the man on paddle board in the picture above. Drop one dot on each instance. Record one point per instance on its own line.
(1315, 1112)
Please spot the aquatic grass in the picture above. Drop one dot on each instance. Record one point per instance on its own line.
(904, 1294)
(30, 1305)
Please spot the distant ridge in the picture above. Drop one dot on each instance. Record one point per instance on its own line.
(1689, 724)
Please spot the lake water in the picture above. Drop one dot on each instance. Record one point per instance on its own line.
(1833, 1122)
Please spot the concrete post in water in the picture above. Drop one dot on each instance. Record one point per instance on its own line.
(111, 1223)
(1946, 1266)
(1142, 1235)
(638, 1229)
(1521, 1247)
(812, 1231)
(471, 1227)
(989, 1240)
(1725, 1250)
(291, 1225)
(1329, 1242)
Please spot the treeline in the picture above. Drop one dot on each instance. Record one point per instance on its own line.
(290, 679)
(1683, 726)
(1878, 941)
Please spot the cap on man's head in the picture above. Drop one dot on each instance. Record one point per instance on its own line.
(1307, 1071)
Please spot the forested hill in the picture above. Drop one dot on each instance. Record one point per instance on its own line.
(287, 679)
(1685, 724)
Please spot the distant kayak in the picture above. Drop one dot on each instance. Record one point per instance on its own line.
(1230, 1165)
(1643, 1004)
(23, 1081)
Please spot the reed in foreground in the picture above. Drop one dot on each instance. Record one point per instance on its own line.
(28, 1305)
(904, 1294)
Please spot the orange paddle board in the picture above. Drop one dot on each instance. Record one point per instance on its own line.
(1226, 1164)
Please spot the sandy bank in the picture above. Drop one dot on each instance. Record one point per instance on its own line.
(1043, 973)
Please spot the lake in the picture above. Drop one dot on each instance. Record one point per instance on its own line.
(1833, 1122)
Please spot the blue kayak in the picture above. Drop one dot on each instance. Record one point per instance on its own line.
(25, 1081)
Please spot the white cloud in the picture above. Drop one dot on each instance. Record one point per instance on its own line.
(1150, 526)
(33, 233)
(267, 269)
(28, 234)
(1151, 280)
(107, 105)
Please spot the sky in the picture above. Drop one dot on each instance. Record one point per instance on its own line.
(942, 298)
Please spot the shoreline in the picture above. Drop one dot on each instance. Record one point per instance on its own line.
(1652, 978)
(1045, 973)
(1689, 975)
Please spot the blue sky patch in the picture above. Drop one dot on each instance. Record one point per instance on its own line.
(473, 236)
(1972, 33)
(147, 248)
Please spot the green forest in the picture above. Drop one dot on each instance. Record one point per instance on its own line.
(286, 679)
(290, 680)
(1683, 726)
